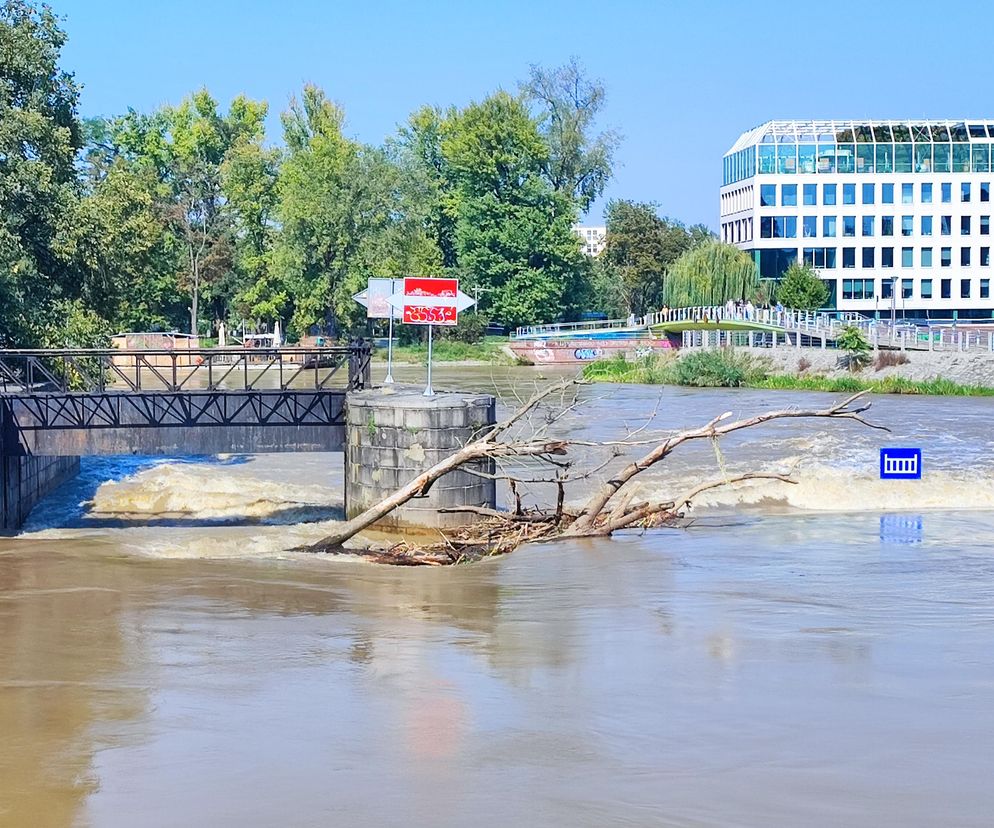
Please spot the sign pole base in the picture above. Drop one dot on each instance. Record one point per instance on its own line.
(429, 392)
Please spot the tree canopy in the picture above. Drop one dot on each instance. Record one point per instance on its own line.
(184, 217)
(801, 289)
(710, 275)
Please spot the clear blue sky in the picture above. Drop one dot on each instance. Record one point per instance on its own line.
(683, 78)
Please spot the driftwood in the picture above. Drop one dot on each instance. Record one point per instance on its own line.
(611, 507)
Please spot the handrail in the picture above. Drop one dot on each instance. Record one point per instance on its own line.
(164, 370)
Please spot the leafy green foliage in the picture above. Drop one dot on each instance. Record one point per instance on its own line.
(723, 368)
(801, 289)
(641, 249)
(710, 275)
(39, 137)
(856, 347)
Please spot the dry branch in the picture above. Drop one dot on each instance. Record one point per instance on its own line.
(610, 508)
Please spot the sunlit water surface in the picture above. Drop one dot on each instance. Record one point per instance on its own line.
(817, 654)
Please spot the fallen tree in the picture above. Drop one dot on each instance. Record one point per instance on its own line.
(614, 504)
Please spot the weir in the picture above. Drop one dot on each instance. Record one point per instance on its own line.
(56, 406)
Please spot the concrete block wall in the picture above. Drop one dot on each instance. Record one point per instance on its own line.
(26, 480)
(394, 434)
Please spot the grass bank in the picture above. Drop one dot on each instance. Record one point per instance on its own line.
(447, 350)
(729, 369)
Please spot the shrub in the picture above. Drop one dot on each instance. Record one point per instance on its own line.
(856, 347)
(803, 364)
(716, 369)
(888, 359)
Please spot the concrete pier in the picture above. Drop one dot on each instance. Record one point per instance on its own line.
(394, 434)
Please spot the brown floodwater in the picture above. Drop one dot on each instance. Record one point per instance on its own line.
(817, 655)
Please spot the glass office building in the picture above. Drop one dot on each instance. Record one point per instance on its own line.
(894, 215)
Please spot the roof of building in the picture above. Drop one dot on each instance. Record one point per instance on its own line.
(864, 132)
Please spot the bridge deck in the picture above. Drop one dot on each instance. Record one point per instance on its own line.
(81, 402)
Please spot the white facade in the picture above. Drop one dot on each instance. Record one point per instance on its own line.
(594, 238)
(895, 224)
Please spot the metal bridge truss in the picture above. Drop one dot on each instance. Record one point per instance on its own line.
(297, 407)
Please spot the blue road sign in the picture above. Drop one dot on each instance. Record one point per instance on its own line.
(900, 464)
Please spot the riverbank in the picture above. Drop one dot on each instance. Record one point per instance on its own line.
(809, 369)
(490, 351)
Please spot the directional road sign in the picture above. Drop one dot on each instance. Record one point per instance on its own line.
(431, 301)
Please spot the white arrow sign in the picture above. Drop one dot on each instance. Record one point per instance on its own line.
(461, 301)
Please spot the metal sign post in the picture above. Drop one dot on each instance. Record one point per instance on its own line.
(388, 379)
(429, 391)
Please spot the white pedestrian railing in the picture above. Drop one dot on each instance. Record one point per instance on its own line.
(923, 339)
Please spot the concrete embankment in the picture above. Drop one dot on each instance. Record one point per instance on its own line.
(969, 368)
(24, 481)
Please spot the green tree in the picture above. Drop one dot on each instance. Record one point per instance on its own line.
(566, 104)
(130, 261)
(710, 275)
(337, 204)
(641, 248)
(801, 289)
(513, 231)
(39, 137)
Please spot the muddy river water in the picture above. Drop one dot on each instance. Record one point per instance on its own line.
(816, 655)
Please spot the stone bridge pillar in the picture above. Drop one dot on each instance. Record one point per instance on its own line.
(393, 434)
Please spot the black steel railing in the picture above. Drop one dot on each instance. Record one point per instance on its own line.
(162, 370)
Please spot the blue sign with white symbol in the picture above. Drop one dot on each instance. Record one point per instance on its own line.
(900, 464)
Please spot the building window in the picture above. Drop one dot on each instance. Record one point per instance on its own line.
(964, 256)
(907, 194)
(886, 256)
(767, 195)
(886, 288)
(907, 288)
(848, 193)
(810, 226)
(945, 225)
(907, 225)
(964, 191)
(985, 225)
(785, 227)
(964, 225)
(926, 193)
(766, 227)
(868, 192)
(985, 192)
(820, 257)
(886, 225)
(810, 195)
(886, 193)
(947, 192)
(828, 194)
(828, 226)
(788, 195)
(985, 257)
(946, 287)
(985, 288)
(849, 257)
(926, 257)
(946, 257)
(964, 288)
(907, 257)
(926, 225)
(849, 225)
(926, 289)
(857, 288)
(867, 225)
(868, 256)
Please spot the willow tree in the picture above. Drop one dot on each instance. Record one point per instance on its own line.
(710, 275)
